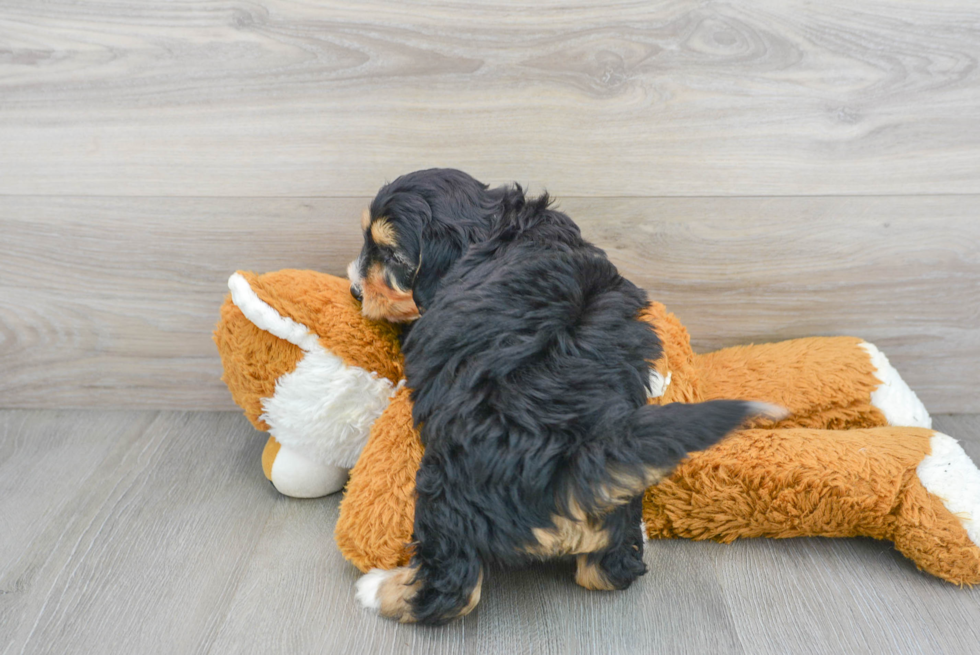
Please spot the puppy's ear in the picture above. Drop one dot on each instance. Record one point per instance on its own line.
(436, 258)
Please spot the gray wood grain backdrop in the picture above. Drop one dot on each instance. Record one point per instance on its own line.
(285, 97)
(768, 169)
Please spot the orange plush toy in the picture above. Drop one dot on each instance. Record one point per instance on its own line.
(856, 457)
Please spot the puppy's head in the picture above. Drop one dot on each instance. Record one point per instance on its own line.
(383, 275)
(414, 231)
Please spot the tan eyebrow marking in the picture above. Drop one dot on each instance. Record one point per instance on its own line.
(383, 233)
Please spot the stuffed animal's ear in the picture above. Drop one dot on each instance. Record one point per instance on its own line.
(253, 360)
(306, 306)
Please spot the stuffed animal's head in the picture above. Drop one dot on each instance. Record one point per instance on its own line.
(303, 362)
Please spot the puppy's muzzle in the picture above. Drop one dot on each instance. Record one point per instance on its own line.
(354, 275)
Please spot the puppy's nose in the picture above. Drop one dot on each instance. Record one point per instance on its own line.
(356, 292)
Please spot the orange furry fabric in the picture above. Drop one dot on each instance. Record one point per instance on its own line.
(378, 509)
(825, 382)
(323, 303)
(828, 483)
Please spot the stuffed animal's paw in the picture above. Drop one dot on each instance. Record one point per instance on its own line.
(295, 475)
(894, 397)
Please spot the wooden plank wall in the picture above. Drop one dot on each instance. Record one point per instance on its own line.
(768, 169)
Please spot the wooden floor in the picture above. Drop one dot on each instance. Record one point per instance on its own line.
(155, 532)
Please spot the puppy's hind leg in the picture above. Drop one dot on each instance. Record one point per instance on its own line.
(442, 582)
(621, 562)
(404, 595)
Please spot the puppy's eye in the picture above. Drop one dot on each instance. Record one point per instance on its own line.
(394, 257)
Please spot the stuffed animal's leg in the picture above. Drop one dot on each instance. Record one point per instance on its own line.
(294, 475)
(825, 382)
(912, 486)
(378, 510)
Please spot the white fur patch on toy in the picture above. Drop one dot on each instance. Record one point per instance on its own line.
(949, 473)
(893, 397)
(368, 586)
(658, 384)
(298, 477)
(323, 410)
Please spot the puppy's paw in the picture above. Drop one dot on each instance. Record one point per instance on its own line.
(389, 593)
(368, 588)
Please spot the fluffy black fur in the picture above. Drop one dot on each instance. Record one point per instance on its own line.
(529, 371)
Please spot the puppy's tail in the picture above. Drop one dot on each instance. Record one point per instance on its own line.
(656, 439)
(663, 435)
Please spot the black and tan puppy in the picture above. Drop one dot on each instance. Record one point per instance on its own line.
(529, 375)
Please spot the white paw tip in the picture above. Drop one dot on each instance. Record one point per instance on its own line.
(367, 588)
(893, 397)
(948, 473)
